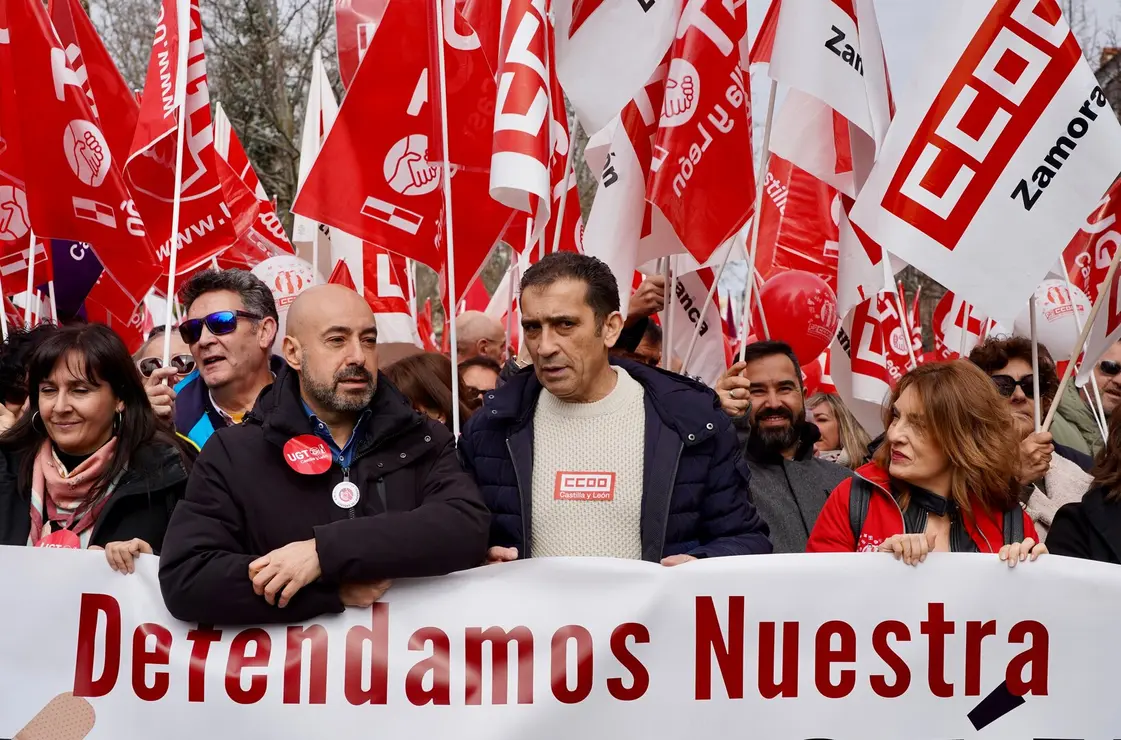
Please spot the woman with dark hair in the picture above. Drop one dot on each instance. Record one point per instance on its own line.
(944, 479)
(426, 380)
(88, 467)
(1091, 528)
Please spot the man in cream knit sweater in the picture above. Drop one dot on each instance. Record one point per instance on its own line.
(583, 456)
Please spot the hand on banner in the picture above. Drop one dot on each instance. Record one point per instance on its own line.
(650, 298)
(8, 419)
(673, 560)
(122, 555)
(363, 595)
(734, 391)
(280, 575)
(911, 548)
(1018, 552)
(160, 393)
(1035, 457)
(501, 555)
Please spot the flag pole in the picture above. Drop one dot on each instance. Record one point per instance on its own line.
(760, 176)
(449, 229)
(557, 232)
(183, 21)
(30, 283)
(893, 287)
(1082, 337)
(965, 331)
(510, 272)
(54, 304)
(1034, 362)
(1099, 413)
(759, 304)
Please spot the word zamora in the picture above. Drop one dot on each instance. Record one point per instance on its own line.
(253, 664)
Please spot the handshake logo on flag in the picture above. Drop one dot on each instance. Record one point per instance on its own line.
(87, 152)
(407, 169)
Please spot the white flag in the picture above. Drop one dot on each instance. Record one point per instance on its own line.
(1007, 144)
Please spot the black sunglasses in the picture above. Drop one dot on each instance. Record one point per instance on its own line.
(1109, 367)
(1006, 384)
(183, 364)
(219, 323)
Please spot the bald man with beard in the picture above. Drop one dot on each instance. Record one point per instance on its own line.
(332, 487)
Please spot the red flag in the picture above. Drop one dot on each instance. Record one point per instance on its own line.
(764, 44)
(356, 22)
(109, 96)
(75, 191)
(476, 298)
(702, 167)
(13, 266)
(1089, 253)
(103, 306)
(378, 182)
(207, 224)
(568, 219)
(266, 231)
(341, 276)
(798, 227)
(424, 327)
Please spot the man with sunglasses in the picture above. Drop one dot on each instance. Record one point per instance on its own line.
(333, 486)
(1107, 374)
(230, 327)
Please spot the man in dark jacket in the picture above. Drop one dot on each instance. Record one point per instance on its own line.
(582, 456)
(788, 483)
(332, 486)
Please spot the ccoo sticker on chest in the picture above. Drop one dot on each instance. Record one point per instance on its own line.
(580, 486)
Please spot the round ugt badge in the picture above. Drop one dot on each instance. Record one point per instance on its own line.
(307, 455)
(345, 495)
(63, 539)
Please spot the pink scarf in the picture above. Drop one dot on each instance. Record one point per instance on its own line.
(67, 491)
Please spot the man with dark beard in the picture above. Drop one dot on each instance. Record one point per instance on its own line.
(331, 487)
(789, 486)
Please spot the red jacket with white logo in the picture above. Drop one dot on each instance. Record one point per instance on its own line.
(833, 531)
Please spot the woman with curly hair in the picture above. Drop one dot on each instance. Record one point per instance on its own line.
(944, 479)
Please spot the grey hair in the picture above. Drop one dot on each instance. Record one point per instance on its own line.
(256, 296)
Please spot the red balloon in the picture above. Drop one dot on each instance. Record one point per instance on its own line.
(811, 377)
(801, 310)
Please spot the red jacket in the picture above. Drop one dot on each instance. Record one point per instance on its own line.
(833, 530)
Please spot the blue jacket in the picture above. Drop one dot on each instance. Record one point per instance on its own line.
(196, 419)
(695, 488)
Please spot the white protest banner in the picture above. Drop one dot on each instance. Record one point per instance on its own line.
(1007, 142)
(782, 647)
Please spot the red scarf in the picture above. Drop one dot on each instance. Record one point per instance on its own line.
(68, 493)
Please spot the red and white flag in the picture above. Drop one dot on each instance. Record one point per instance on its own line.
(831, 50)
(1105, 332)
(74, 190)
(523, 116)
(1089, 253)
(13, 267)
(702, 169)
(378, 182)
(1007, 142)
(207, 224)
(267, 231)
(608, 49)
(708, 361)
(952, 317)
(356, 22)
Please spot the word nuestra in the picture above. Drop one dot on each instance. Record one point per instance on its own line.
(791, 659)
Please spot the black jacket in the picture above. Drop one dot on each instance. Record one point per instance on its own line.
(418, 513)
(140, 505)
(695, 485)
(1090, 530)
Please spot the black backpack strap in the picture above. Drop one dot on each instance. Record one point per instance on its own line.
(1014, 525)
(860, 494)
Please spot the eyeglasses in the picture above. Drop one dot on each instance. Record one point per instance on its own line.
(1006, 384)
(219, 323)
(1109, 367)
(183, 364)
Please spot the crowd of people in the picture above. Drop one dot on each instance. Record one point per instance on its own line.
(279, 478)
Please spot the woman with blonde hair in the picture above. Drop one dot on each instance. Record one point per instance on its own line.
(944, 479)
(843, 440)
